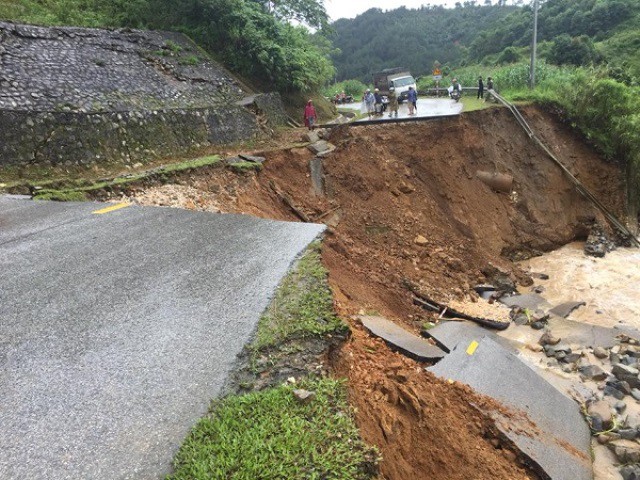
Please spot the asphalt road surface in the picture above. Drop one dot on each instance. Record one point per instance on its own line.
(427, 108)
(117, 329)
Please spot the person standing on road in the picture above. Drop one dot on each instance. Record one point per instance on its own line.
(378, 102)
(393, 102)
(369, 101)
(310, 115)
(480, 88)
(412, 101)
(489, 88)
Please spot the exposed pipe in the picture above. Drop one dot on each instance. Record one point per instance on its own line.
(579, 186)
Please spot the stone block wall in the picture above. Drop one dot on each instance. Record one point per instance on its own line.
(77, 95)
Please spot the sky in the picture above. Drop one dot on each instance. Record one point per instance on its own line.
(350, 8)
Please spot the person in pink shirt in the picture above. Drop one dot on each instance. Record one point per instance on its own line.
(310, 115)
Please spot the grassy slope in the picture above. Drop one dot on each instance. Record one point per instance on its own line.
(270, 434)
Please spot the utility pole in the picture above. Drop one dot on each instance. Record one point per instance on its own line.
(534, 45)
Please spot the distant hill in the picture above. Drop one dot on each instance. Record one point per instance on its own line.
(570, 31)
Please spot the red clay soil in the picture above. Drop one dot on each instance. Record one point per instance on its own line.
(425, 428)
(387, 186)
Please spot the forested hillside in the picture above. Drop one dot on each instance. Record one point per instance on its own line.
(251, 37)
(410, 38)
(577, 32)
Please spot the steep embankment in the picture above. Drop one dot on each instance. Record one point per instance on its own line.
(78, 95)
(403, 203)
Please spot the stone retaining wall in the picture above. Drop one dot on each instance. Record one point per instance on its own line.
(78, 95)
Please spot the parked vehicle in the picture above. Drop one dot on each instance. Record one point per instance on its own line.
(398, 78)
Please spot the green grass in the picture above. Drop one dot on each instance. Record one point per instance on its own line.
(302, 307)
(61, 196)
(190, 60)
(471, 103)
(271, 435)
(245, 166)
(80, 193)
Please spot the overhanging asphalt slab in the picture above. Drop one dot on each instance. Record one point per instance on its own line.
(117, 330)
(400, 339)
(530, 301)
(447, 335)
(559, 441)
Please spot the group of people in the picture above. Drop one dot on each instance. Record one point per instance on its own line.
(456, 89)
(341, 98)
(375, 104)
(481, 87)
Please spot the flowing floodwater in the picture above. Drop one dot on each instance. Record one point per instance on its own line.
(609, 286)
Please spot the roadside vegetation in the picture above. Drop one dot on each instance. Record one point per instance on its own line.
(302, 307)
(84, 190)
(272, 433)
(253, 38)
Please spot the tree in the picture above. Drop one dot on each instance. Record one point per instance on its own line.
(310, 12)
(572, 51)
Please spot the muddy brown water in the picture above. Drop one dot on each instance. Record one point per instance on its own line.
(609, 286)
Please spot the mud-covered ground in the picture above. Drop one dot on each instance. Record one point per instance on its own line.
(403, 203)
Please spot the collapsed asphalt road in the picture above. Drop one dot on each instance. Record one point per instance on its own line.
(118, 328)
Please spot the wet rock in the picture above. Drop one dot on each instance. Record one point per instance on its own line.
(627, 374)
(500, 280)
(321, 146)
(620, 407)
(548, 338)
(613, 392)
(562, 348)
(621, 369)
(620, 385)
(521, 319)
(304, 396)
(627, 451)
(232, 160)
(538, 325)
(601, 415)
(534, 347)
(630, 472)
(628, 433)
(311, 137)
(600, 352)
(598, 243)
(540, 316)
(541, 276)
(614, 358)
(252, 158)
(604, 438)
(572, 357)
(568, 368)
(420, 240)
(560, 356)
(592, 372)
(635, 393)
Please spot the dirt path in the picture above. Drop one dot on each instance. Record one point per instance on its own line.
(403, 203)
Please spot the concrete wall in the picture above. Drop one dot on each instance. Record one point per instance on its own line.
(76, 95)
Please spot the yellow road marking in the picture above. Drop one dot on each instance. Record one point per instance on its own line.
(471, 349)
(112, 208)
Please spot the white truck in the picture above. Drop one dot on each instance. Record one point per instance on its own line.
(398, 78)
